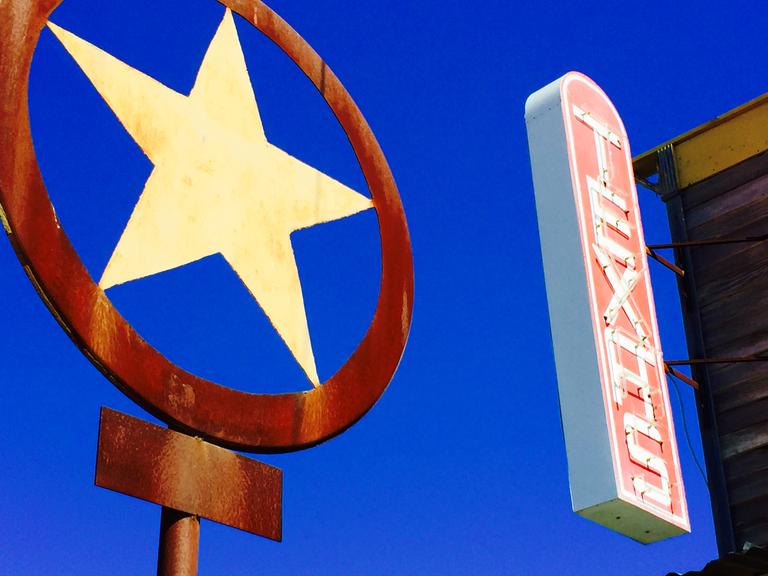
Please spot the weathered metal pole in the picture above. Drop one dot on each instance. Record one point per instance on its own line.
(179, 540)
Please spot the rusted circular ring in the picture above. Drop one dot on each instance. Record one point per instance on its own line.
(252, 422)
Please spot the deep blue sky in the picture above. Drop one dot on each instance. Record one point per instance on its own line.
(460, 468)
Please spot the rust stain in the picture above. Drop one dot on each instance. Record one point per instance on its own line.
(102, 328)
(180, 394)
(188, 474)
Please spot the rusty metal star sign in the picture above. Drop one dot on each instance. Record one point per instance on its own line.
(218, 187)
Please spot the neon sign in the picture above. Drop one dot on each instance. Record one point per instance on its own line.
(622, 455)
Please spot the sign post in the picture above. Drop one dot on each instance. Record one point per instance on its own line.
(218, 187)
(622, 456)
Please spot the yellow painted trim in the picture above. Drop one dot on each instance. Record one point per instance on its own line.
(716, 145)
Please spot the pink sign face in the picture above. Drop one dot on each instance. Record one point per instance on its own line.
(634, 387)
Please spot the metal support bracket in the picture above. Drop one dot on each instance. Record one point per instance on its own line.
(732, 360)
(664, 262)
(669, 366)
(647, 184)
(680, 376)
(709, 242)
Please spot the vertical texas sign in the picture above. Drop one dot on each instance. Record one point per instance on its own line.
(623, 463)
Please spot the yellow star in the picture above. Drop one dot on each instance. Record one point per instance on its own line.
(218, 186)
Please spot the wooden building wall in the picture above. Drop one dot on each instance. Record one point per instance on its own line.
(724, 295)
(731, 291)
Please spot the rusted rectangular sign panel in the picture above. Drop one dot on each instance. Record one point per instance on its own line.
(185, 473)
(622, 455)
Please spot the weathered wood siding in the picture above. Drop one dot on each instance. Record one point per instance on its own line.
(731, 292)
